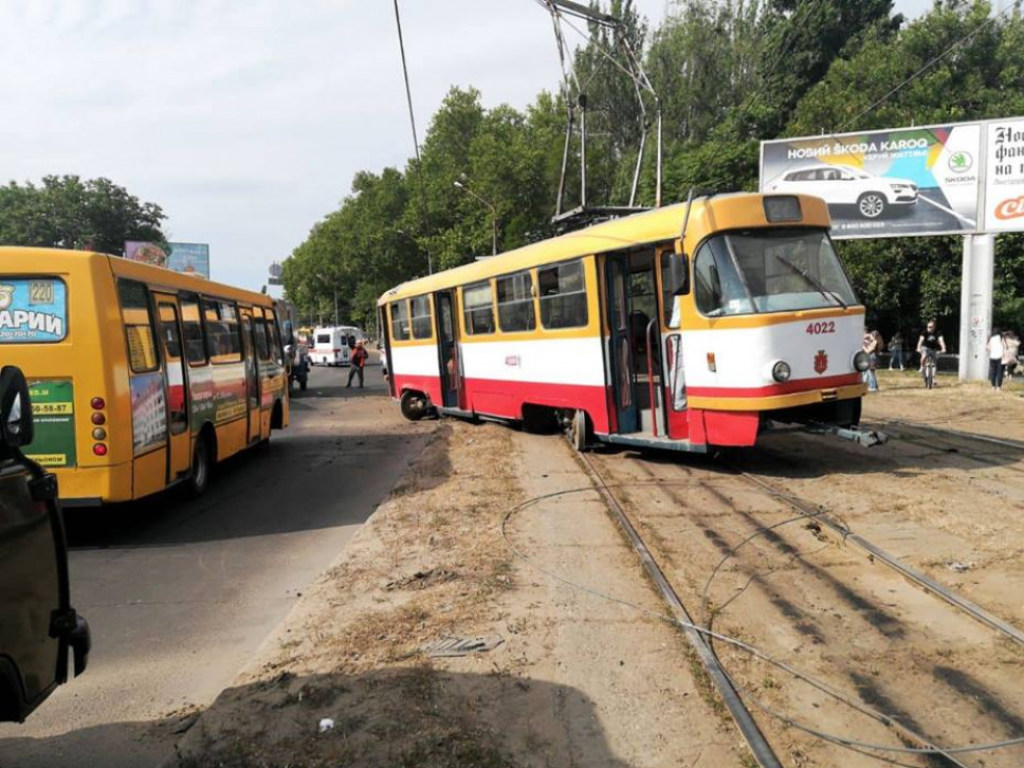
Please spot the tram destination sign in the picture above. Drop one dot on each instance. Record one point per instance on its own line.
(957, 178)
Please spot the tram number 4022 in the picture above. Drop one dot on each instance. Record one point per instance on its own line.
(826, 326)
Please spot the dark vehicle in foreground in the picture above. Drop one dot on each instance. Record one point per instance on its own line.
(38, 626)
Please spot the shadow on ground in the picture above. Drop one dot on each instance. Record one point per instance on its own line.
(409, 716)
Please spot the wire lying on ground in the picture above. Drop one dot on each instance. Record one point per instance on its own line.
(839, 740)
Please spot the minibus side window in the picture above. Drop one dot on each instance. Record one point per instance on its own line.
(422, 327)
(563, 295)
(192, 331)
(260, 332)
(138, 326)
(223, 344)
(515, 302)
(478, 304)
(274, 337)
(399, 320)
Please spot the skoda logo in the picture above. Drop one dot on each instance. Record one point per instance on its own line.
(960, 161)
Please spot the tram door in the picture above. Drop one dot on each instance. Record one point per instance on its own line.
(620, 348)
(635, 358)
(448, 348)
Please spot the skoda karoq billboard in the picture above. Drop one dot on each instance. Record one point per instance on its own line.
(845, 185)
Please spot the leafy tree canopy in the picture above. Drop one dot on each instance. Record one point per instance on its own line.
(67, 212)
(729, 74)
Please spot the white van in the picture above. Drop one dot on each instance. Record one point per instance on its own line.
(330, 347)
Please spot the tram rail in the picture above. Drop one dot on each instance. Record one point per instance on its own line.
(701, 638)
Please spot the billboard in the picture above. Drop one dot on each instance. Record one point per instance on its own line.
(190, 258)
(1004, 183)
(891, 183)
(147, 253)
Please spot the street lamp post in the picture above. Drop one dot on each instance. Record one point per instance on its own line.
(335, 288)
(494, 216)
(430, 261)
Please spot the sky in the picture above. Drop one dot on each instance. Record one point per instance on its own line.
(247, 121)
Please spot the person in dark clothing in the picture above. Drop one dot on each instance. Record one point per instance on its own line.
(357, 361)
(930, 343)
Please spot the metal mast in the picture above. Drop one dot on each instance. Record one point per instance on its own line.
(576, 100)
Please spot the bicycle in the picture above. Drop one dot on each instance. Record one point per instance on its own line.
(928, 367)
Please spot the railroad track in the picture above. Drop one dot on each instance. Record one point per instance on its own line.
(927, 436)
(914, 744)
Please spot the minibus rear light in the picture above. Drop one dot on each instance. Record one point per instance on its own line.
(99, 449)
(98, 403)
(99, 418)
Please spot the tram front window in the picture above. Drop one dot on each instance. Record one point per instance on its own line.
(774, 270)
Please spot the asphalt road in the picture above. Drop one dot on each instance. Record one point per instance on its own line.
(179, 594)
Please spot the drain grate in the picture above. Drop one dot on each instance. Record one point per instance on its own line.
(462, 646)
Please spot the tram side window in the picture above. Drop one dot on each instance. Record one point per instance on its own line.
(192, 332)
(422, 327)
(399, 321)
(138, 326)
(478, 304)
(223, 344)
(515, 302)
(563, 295)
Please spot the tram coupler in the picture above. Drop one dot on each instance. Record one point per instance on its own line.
(867, 438)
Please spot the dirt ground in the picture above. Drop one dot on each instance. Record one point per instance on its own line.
(971, 407)
(575, 680)
(495, 537)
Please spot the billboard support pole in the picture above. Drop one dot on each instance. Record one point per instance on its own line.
(963, 367)
(976, 294)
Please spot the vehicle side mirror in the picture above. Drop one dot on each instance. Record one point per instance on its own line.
(15, 408)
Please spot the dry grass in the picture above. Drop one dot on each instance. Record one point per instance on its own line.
(430, 564)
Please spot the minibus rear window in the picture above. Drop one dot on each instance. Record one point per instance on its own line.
(33, 310)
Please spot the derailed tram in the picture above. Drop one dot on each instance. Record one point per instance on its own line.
(686, 327)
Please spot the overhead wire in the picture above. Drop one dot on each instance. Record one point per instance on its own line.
(857, 745)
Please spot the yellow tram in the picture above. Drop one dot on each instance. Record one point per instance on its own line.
(685, 327)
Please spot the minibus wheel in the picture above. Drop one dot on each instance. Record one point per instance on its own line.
(202, 463)
(414, 405)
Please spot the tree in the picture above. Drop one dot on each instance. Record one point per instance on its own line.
(66, 212)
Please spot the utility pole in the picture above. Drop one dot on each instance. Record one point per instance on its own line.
(494, 216)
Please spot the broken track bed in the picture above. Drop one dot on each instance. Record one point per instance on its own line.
(908, 671)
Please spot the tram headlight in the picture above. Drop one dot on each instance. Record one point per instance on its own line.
(860, 361)
(781, 371)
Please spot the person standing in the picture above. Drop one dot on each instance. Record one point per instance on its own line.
(870, 347)
(358, 362)
(1011, 349)
(896, 350)
(930, 343)
(995, 359)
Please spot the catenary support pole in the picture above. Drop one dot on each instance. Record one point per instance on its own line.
(976, 306)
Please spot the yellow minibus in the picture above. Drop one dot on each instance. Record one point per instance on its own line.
(140, 377)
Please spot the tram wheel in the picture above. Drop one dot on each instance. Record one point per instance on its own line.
(578, 431)
(414, 405)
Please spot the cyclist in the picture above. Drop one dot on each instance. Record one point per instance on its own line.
(929, 345)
